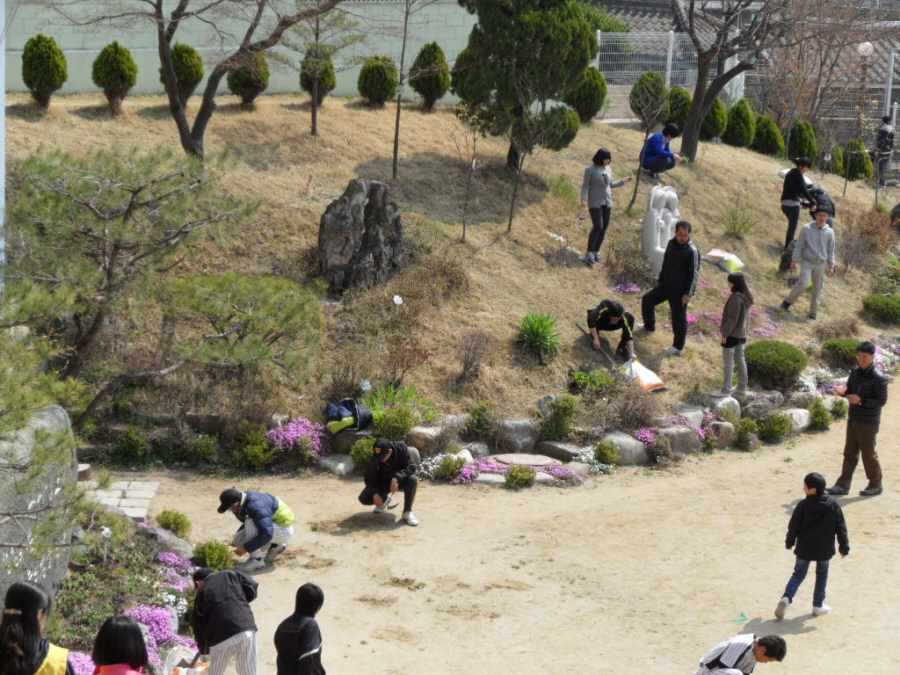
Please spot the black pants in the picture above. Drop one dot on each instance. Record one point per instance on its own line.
(793, 216)
(627, 328)
(660, 163)
(600, 219)
(658, 295)
(407, 486)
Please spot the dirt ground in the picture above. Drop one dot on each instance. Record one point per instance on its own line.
(642, 571)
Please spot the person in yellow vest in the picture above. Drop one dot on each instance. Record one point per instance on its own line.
(23, 650)
(265, 519)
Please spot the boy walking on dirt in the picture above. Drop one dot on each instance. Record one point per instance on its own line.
(816, 521)
(739, 655)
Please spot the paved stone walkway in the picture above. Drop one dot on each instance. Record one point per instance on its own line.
(131, 497)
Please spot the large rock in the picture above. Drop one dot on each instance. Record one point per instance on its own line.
(723, 432)
(801, 399)
(544, 402)
(757, 410)
(799, 419)
(170, 542)
(693, 414)
(682, 440)
(343, 441)
(565, 452)
(631, 451)
(524, 459)
(517, 435)
(454, 423)
(338, 464)
(727, 403)
(478, 449)
(360, 237)
(466, 456)
(423, 438)
(579, 469)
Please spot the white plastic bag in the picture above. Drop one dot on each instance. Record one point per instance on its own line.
(178, 661)
(642, 376)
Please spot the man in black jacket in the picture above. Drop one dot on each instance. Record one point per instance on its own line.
(676, 285)
(391, 468)
(610, 315)
(866, 392)
(223, 622)
(298, 639)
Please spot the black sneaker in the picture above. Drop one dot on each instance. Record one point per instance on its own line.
(837, 490)
(785, 305)
(811, 316)
(871, 491)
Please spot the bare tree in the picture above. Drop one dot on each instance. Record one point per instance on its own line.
(649, 100)
(465, 138)
(254, 25)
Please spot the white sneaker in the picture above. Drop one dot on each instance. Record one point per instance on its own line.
(782, 607)
(410, 518)
(274, 551)
(821, 611)
(251, 565)
(671, 351)
(379, 509)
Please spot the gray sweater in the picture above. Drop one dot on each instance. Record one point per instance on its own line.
(815, 245)
(597, 187)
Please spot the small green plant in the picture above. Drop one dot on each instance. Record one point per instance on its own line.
(741, 126)
(659, 450)
(775, 364)
(361, 452)
(519, 476)
(430, 75)
(607, 452)
(449, 468)
(839, 408)
(254, 452)
(840, 351)
(802, 142)
(768, 139)
(174, 521)
(131, 448)
(317, 65)
(679, 105)
(538, 334)
(774, 428)
(559, 424)
(44, 68)
(213, 554)
(387, 395)
(395, 423)
(886, 308)
(562, 189)
(819, 417)
(857, 163)
(250, 80)
(715, 121)
(593, 381)
(739, 219)
(588, 96)
(115, 72)
(188, 66)
(202, 449)
(378, 80)
(745, 433)
(484, 420)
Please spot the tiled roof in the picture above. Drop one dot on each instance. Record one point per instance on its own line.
(642, 15)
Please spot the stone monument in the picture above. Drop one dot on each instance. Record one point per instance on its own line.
(659, 225)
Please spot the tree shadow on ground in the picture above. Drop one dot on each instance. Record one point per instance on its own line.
(27, 112)
(93, 113)
(155, 112)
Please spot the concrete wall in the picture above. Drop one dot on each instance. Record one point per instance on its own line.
(442, 21)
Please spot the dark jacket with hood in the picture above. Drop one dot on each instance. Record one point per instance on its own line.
(680, 268)
(222, 608)
(400, 466)
(872, 387)
(816, 521)
(298, 642)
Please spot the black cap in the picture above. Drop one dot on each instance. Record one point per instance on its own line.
(381, 447)
(229, 498)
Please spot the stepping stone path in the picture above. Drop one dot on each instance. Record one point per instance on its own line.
(130, 497)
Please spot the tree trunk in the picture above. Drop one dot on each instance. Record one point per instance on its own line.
(690, 137)
(513, 157)
(637, 179)
(395, 169)
(314, 127)
(395, 166)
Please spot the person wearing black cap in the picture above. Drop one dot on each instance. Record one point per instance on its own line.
(223, 622)
(611, 315)
(391, 468)
(265, 519)
(298, 639)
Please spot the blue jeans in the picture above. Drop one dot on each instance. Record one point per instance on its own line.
(801, 567)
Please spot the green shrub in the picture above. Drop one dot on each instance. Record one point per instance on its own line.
(768, 139)
(395, 423)
(519, 476)
(429, 75)
(559, 127)
(741, 126)
(744, 433)
(175, 521)
(202, 449)
(559, 424)
(188, 66)
(484, 421)
(858, 163)
(886, 308)
(361, 452)
(449, 468)
(607, 452)
(679, 105)
(839, 408)
(588, 96)
(840, 351)
(254, 452)
(44, 68)
(378, 80)
(250, 80)
(317, 65)
(593, 381)
(660, 451)
(131, 448)
(538, 334)
(115, 72)
(387, 396)
(774, 364)
(649, 98)
(213, 554)
(715, 121)
(802, 141)
(774, 428)
(831, 159)
(819, 417)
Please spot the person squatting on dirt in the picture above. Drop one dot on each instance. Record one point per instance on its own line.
(23, 649)
(390, 468)
(223, 622)
(596, 197)
(298, 639)
(815, 253)
(739, 655)
(657, 155)
(265, 519)
(793, 192)
(610, 315)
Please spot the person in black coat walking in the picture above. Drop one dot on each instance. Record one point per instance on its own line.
(298, 639)
(223, 622)
(391, 468)
(815, 523)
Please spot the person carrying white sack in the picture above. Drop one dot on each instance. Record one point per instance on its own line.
(734, 332)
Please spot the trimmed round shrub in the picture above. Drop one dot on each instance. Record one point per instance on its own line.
(253, 450)
(484, 420)
(858, 164)
(559, 424)
(741, 126)
(885, 307)
(396, 422)
(250, 80)
(378, 80)
(840, 351)
(175, 521)
(130, 448)
(649, 98)
(839, 408)
(768, 139)
(361, 452)
(213, 554)
(607, 452)
(459, 76)
(774, 428)
(802, 141)
(201, 449)
(317, 68)
(831, 159)
(429, 75)
(588, 96)
(188, 66)
(560, 126)
(679, 105)
(449, 468)
(519, 476)
(715, 121)
(774, 364)
(44, 68)
(819, 417)
(745, 434)
(115, 72)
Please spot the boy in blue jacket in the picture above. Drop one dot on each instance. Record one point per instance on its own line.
(265, 520)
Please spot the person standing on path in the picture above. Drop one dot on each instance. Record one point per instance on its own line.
(223, 622)
(676, 285)
(866, 391)
(884, 149)
(298, 639)
(265, 519)
(815, 253)
(596, 197)
(793, 192)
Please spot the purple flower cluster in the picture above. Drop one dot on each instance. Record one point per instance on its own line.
(174, 561)
(288, 436)
(627, 288)
(691, 319)
(683, 421)
(767, 331)
(481, 465)
(704, 283)
(646, 435)
(159, 621)
(82, 664)
(561, 473)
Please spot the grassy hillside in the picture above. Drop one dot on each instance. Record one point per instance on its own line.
(274, 159)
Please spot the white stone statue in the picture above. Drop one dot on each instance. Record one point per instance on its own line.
(659, 225)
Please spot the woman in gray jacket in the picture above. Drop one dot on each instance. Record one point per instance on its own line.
(735, 329)
(596, 196)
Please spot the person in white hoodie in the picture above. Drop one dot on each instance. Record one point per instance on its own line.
(815, 253)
